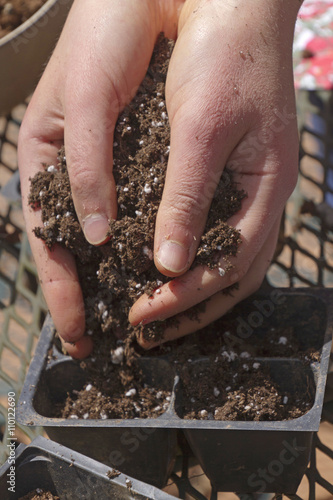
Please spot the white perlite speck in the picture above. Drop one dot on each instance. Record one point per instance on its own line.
(147, 189)
(117, 355)
(147, 251)
(203, 413)
(130, 393)
(221, 271)
(52, 169)
(229, 355)
(89, 387)
(256, 366)
(216, 392)
(283, 340)
(285, 400)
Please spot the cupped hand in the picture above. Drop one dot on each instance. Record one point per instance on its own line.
(100, 60)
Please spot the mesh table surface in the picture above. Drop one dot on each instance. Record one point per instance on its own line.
(305, 259)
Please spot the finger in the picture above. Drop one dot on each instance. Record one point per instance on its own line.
(80, 349)
(108, 69)
(202, 138)
(221, 303)
(41, 136)
(56, 268)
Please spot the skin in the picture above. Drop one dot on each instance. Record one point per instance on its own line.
(230, 102)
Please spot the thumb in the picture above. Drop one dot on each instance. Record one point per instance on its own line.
(89, 156)
(202, 139)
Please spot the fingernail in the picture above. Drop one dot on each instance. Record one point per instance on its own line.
(173, 256)
(95, 228)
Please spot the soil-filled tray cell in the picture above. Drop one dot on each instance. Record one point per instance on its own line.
(260, 390)
(260, 459)
(146, 453)
(51, 391)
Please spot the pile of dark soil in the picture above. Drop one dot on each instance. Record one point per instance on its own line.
(39, 494)
(115, 392)
(114, 275)
(15, 12)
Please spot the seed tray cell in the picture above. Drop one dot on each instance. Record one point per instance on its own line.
(233, 454)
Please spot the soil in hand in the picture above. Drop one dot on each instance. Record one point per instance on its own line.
(15, 12)
(114, 275)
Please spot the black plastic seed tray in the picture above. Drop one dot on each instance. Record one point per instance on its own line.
(242, 456)
(52, 467)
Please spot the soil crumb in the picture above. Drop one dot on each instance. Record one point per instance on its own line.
(112, 473)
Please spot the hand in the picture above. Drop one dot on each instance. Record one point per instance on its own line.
(224, 87)
(100, 60)
(230, 100)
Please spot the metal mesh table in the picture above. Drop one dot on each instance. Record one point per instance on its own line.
(306, 259)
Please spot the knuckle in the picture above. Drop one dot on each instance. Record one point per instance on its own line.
(185, 206)
(83, 181)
